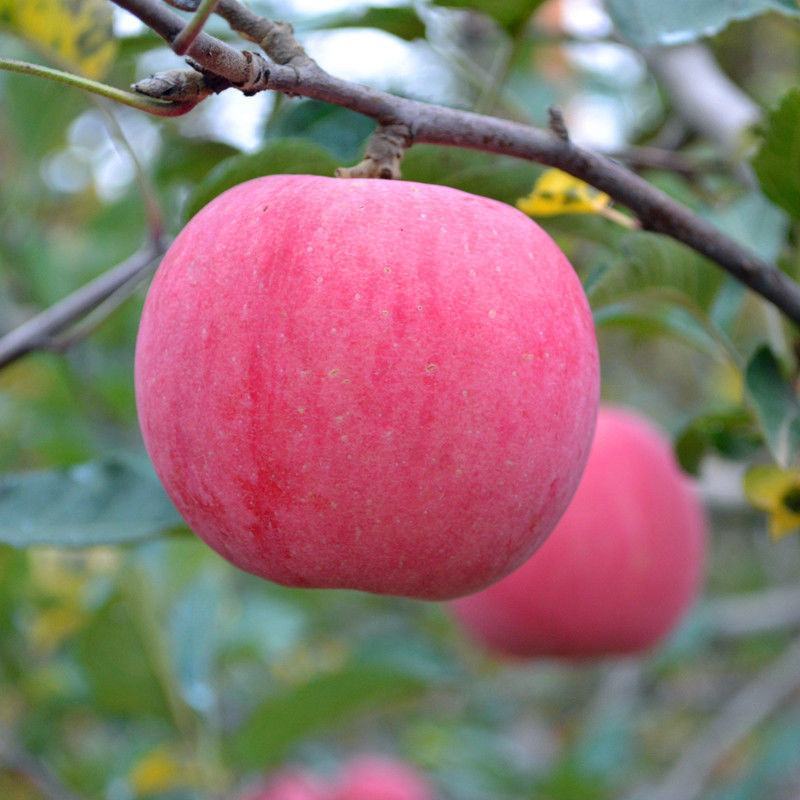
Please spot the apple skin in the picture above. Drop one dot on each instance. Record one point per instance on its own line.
(621, 567)
(375, 385)
(372, 777)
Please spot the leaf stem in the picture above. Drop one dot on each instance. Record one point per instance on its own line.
(183, 41)
(159, 108)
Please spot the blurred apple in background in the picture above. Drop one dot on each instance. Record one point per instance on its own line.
(620, 569)
(372, 777)
(365, 777)
(290, 784)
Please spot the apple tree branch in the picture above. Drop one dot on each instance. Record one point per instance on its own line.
(49, 329)
(285, 67)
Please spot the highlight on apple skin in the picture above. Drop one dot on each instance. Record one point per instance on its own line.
(622, 566)
(375, 385)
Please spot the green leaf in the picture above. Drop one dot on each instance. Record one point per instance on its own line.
(401, 21)
(281, 156)
(755, 222)
(775, 404)
(118, 670)
(658, 318)
(23, 99)
(282, 721)
(100, 502)
(14, 579)
(189, 160)
(646, 23)
(509, 14)
(690, 449)
(758, 224)
(777, 162)
(646, 261)
(727, 305)
(499, 177)
(339, 130)
(571, 780)
(728, 432)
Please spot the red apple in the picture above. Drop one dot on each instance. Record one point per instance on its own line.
(380, 778)
(621, 567)
(290, 785)
(376, 385)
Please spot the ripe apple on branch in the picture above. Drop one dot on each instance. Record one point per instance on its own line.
(361, 384)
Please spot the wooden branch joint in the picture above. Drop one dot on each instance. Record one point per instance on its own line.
(385, 151)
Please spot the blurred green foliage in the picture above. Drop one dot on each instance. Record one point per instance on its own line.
(650, 22)
(777, 162)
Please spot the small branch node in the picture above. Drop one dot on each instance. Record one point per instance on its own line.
(281, 46)
(215, 83)
(385, 151)
(257, 74)
(178, 85)
(557, 124)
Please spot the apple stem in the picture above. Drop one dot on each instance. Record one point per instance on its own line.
(384, 152)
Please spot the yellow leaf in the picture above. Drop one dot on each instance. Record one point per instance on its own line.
(76, 34)
(555, 192)
(776, 491)
(159, 771)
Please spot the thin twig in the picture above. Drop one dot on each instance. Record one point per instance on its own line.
(555, 119)
(708, 100)
(158, 107)
(647, 157)
(704, 96)
(37, 333)
(492, 89)
(183, 41)
(299, 75)
(152, 207)
(276, 38)
(760, 698)
(478, 80)
(86, 326)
